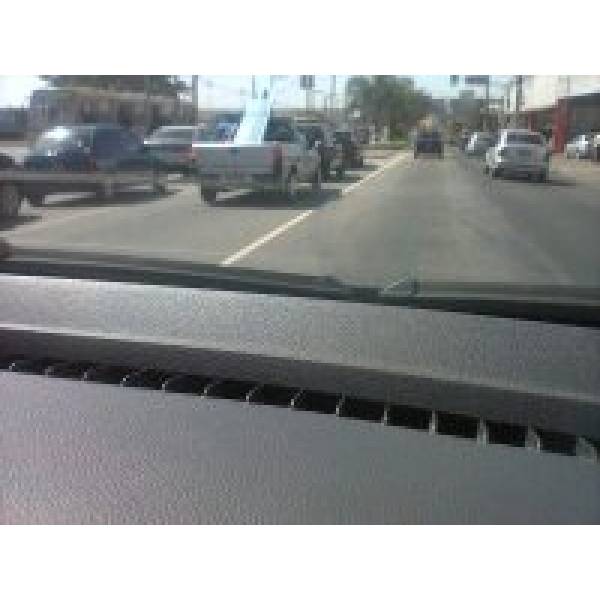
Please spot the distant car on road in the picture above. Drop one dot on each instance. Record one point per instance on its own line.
(580, 146)
(351, 149)
(94, 150)
(172, 146)
(521, 152)
(479, 143)
(320, 135)
(428, 141)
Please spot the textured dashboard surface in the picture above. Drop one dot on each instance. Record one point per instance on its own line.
(76, 452)
(493, 367)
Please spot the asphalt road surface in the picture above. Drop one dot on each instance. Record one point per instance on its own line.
(428, 218)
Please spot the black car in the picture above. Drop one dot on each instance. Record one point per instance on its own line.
(428, 142)
(84, 149)
(330, 152)
(351, 149)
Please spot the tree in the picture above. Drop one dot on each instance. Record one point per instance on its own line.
(163, 85)
(387, 100)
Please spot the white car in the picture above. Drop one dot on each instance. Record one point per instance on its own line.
(519, 152)
(579, 146)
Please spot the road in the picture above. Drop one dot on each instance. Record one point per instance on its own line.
(429, 218)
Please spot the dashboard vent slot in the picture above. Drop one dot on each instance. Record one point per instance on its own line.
(559, 443)
(108, 375)
(32, 366)
(318, 402)
(145, 379)
(231, 389)
(507, 434)
(356, 408)
(67, 370)
(456, 425)
(409, 417)
(374, 411)
(186, 384)
(275, 395)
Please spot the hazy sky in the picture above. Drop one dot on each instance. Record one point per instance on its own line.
(227, 91)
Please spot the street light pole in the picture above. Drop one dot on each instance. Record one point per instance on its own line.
(195, 99)
(518, 98)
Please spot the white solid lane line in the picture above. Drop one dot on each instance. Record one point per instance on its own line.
(387, 165)
(265, 238)
(271, 235)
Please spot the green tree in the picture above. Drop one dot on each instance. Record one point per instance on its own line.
(164, 85)
(387, 100)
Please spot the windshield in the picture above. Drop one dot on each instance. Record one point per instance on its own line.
(373, 208)
(174, 133)
(312, 132)
(64, 138)
(524, 138)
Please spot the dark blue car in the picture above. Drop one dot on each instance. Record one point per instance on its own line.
(85, 149)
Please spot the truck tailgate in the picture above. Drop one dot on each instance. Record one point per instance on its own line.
(234, 160)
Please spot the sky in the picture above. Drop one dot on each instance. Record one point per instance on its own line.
(230, 91)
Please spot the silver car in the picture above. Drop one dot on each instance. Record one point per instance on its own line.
(580, 146)
(518, 152)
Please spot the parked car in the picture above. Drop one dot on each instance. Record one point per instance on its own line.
(351, 150)
(320, 135)
(172, 146)
(580, 146)
(428, 141)
(479, 143)
(521, 152)
(11, 194)
(99, 150)
(279, 163)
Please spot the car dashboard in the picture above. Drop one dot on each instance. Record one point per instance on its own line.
(130, 403)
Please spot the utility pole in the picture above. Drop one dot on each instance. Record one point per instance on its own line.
(253, 86)
(195, 99)
(147, 92)
(487, 103)
(332, 94)
(518, 98)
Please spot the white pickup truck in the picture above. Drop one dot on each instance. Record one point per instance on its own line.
(279, 163)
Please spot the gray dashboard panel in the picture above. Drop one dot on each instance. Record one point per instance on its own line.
(524, 372)
(75, 452)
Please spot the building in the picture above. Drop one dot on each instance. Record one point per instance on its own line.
(73, 105)
(560, 105)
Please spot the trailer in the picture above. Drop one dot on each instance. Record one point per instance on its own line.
(18, 183)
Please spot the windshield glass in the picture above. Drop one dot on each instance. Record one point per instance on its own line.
(312, 132)
(174, 133)
(523, 138)
(256, 193)
(63, 138)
